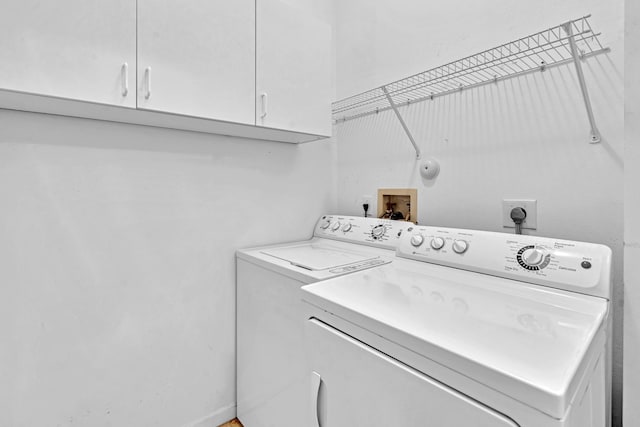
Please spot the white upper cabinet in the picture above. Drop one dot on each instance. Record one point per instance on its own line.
(197, 58)
(72, 49)
(293, 66)
(217, 66)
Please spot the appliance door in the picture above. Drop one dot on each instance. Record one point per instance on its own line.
(318, 257)
(352, 384)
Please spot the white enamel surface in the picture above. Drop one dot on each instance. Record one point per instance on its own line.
(271, 371)
(321, 257)
(316, 257)
(510, 335)
(363, 387)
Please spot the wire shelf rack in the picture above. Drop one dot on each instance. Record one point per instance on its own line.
(537, 52)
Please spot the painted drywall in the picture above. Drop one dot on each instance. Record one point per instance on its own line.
(117, 304)
(631, 215)
(522, 138)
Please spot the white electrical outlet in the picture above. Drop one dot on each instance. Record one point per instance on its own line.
(530, 207)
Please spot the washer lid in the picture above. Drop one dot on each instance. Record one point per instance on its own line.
(528, 342)
(317, 257)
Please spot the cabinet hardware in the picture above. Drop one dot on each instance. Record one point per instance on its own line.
(147, 73)
(124, 78)
(263, 96)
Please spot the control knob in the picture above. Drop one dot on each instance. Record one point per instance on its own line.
(346, 227)
(533, 256)
(460, 246)
(417, 239)
(325, 224)
(437, 243)
(335, 226)
(378, 231)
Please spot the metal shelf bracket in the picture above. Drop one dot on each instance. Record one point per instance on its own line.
(595, 133)
(401, 120)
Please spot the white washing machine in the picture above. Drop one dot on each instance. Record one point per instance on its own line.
(272, 375)
(465, 328)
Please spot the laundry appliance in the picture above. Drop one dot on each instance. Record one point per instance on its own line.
(465, 328)
(272, 375)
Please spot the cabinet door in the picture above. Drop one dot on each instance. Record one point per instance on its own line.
(293, 66)
(197, 58)
(355, 385)
(69, 48)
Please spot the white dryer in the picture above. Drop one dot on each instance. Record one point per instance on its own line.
(272, 375)
(467, 328)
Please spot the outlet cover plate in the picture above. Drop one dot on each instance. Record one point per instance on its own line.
(530, 206)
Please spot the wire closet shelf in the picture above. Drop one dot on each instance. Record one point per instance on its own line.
(537, 52)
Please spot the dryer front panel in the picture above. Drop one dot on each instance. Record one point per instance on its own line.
(352, 384)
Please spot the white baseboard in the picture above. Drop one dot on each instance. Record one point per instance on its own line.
(216, 418)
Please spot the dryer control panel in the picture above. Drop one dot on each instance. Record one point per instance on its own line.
(562, 264)
(381, 233)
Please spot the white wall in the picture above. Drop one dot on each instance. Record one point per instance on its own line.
(117, 304)
(522, 138)
(631, 215)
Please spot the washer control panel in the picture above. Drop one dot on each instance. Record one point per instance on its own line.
(382, 233)
(574, 266)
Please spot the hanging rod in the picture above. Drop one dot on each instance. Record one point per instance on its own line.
(563, 44)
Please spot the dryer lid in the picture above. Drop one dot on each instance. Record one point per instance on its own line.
(317, 257)
(528, 342)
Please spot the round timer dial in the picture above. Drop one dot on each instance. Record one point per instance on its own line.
(378, 231)
(533, 258)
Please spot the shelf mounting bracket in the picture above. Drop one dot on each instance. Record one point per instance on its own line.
(401, 120)
(595, 133)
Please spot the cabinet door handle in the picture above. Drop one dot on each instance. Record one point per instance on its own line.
(316, 381)
(124, 78)
(147, 73)
(263, 96)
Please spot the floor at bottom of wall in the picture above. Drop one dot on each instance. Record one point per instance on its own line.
(233, 423)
